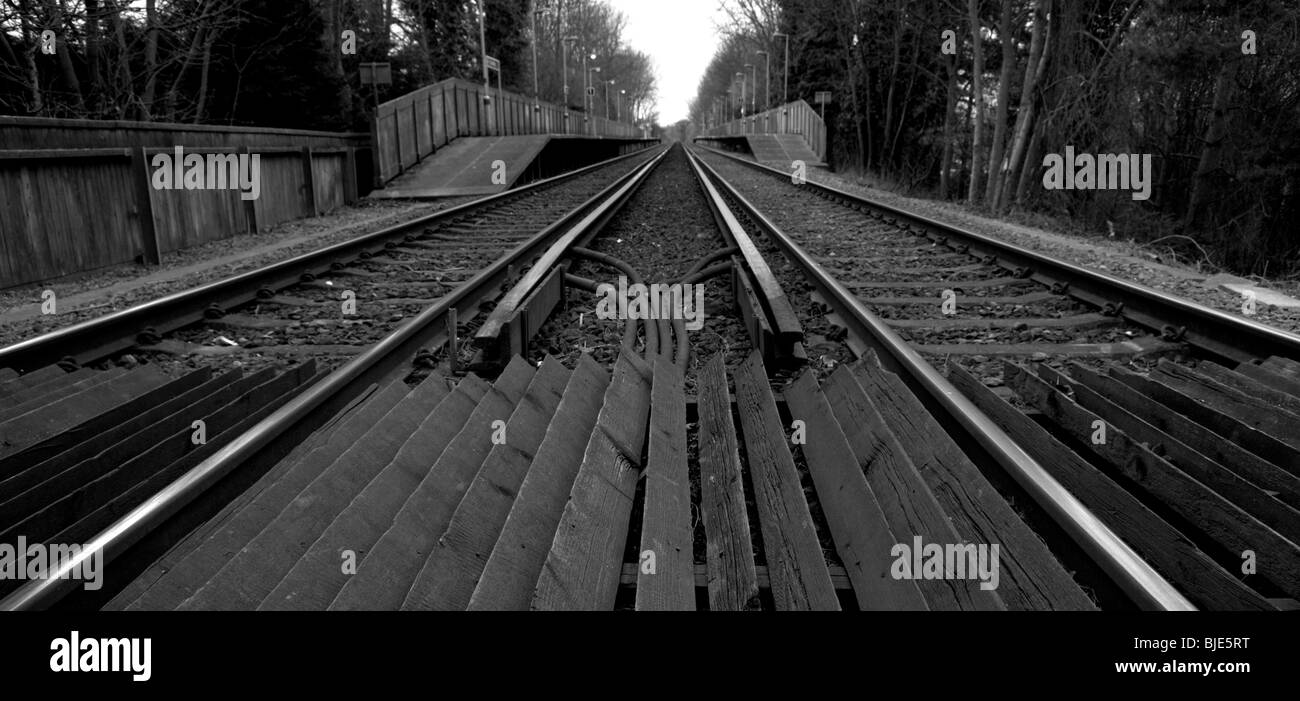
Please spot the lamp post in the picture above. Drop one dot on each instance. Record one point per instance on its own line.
(590, 90)
(753, 95)
(621, 93)
(568, 42)
(591, 102)
(537, 91)
(743, 113)
(607, 84)
(785, 77)
(741, 75)
(482, 43)
(767, 91)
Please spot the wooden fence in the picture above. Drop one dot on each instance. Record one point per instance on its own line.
(410, 127)
(794, 118)
(77, 195)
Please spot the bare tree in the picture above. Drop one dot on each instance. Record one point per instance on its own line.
(1035, 67)
(977, 102)
(1004, 97)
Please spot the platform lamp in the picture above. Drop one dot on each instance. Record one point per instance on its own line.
(743, 113)
(753, 94)
(568, 42)
(785, 78)
(483, 59)
(621, 93)
(607, 84)
(539, 8)
(591, 89)
(767, 99)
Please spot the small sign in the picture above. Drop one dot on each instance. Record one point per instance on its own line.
(591, 92)
(823, 97)
(493, 63)
(376, 74)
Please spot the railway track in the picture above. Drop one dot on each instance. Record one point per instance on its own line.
(1174, 415)
(81, 447)
(331, 303)
(790, 453)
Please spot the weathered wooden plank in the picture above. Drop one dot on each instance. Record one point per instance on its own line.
(666, 533)
(31, 379)
(1249, 386)
(1031, 578)
(103, 426)
(939, 284)
(385, 575)
(58, 415)
(1269, 378)
(586, 556)
(40, 485)
(1251, 410)
(253, 573)
(447, 579)
(1283, 366)
(1220, 519)
(231, 422)
(1027, 298)
(21, 401)
(183, 573)
(839, 580)
(511, 571)
(907, 503)
(800, 579)
(317, 577)
(857, 524)
(1265, 507)
(1078, 321)
(1257, 442)
(733, 586)
(1205, 582)
(1225, 452)
(66, 507)
(1055, 350)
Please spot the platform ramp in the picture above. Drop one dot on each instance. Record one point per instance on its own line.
(465, 167)
(780, 150)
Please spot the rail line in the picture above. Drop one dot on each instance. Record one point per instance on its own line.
(257, 434)
(1191, 451)
(795, 464)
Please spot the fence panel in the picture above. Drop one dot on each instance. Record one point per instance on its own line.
(82, 206)
(404, 134)
(795, 118)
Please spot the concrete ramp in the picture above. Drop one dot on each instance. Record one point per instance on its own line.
(780, 150)
(464, 167)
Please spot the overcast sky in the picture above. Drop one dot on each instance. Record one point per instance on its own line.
(680, 37)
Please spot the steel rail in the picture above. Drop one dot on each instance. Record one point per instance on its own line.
(1223, 335)
(306, 411)
(1133, 575)
(97, 338)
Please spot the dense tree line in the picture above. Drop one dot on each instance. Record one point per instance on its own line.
(968, 98)
(294, 63)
